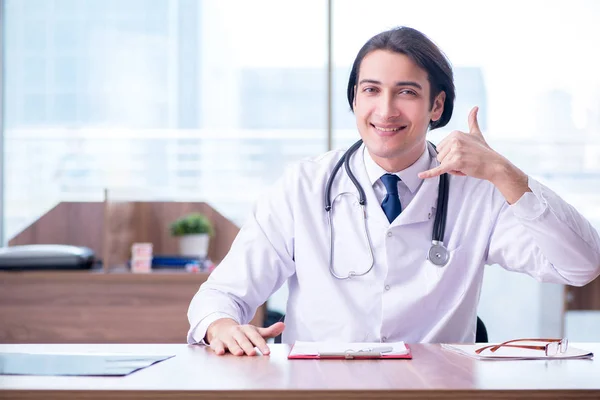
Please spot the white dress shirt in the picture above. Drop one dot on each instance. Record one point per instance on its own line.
(409, 181)
(404, 296)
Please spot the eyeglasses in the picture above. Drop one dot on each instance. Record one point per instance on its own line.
(551, 348)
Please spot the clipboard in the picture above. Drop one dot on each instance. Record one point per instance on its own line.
(380, 352)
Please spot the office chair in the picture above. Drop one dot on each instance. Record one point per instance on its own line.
(272, 317)
(481, 335)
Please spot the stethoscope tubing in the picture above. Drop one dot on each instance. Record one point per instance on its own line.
(437, 254)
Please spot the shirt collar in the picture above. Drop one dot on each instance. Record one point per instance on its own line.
(408, 175)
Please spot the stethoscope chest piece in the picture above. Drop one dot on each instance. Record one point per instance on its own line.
(438, 254)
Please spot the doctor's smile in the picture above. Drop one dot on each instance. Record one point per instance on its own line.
(388, 131)
(395, 260)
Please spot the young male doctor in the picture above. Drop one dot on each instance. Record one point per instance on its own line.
(366, 275)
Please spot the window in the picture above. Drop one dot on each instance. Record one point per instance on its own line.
(181, 95)
(196, 97)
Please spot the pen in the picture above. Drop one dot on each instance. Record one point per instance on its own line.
(382, 349)
(350, 354)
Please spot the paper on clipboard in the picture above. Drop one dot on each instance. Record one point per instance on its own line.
(349, 351)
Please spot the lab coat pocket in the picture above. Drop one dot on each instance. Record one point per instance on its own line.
(351, 249)
(446, 285)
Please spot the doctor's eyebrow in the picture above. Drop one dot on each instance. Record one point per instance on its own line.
(401, 83)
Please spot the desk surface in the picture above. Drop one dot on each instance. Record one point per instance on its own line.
(196, 372)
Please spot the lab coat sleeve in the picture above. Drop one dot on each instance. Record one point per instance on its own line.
(259, 261)
(545, 237)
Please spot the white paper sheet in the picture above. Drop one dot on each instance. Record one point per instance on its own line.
(514, 353)
(316, 348)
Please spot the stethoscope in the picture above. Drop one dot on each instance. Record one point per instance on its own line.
(437, 254)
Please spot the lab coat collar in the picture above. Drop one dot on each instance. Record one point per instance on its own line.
(408, 175)
(421, 208)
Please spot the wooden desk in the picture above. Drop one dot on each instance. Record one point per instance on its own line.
(198, 373)
(97, 307)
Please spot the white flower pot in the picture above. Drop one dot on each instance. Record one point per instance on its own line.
(194, 245)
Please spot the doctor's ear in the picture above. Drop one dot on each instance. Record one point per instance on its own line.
(354, 102)
(437, 108)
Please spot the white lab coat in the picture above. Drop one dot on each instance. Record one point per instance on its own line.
(404, 297)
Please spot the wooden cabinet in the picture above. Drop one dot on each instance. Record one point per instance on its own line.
(95, 307)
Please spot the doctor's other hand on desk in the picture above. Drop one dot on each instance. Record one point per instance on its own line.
(388, 240)
(226, 334)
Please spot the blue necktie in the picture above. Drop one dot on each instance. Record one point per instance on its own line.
(391, 203)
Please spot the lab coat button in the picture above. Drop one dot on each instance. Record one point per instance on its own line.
(389, 234)
(383, 339)
(387, 287)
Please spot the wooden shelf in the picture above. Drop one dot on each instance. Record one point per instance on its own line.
(157, 276)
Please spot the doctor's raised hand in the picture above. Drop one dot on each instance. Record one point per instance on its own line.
(226, 334)
(468, 154)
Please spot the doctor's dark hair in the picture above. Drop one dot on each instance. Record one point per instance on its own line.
(423, 52)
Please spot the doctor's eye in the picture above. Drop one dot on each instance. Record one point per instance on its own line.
(369, 89)
(408, 92)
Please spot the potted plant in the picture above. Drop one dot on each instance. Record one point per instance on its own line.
(194, 231)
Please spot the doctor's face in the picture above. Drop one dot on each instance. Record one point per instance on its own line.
(393, 108)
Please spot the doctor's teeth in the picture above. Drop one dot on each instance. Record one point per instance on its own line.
(388, 129)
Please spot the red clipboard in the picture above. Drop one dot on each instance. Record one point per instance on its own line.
(351, 356)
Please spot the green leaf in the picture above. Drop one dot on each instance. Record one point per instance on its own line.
(190, 224)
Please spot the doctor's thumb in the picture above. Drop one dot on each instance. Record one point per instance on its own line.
(272, 331)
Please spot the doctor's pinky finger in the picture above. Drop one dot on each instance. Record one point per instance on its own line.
(432, 173)
(218, 347)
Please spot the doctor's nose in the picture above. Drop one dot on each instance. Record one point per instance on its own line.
(386, 108)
